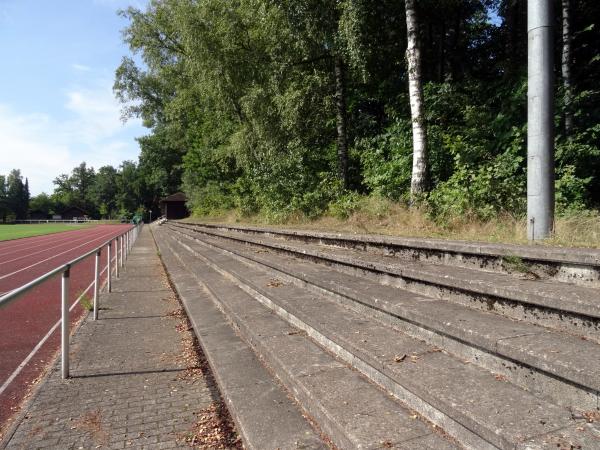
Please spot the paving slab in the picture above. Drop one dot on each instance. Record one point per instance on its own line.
(127, 387)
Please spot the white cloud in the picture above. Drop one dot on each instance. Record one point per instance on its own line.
(44, 147)
(81, 67)
(97, 113)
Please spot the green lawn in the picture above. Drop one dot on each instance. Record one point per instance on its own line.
(26, 230)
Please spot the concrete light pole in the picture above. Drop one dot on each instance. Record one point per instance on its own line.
(540, 119)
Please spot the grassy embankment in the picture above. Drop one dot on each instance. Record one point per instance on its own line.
(377, 216)
(17, 231)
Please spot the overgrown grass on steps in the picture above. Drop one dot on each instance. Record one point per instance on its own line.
(380, 216)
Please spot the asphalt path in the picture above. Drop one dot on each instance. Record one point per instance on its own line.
(34, 317)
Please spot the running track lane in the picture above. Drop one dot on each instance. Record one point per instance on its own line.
(28, 319)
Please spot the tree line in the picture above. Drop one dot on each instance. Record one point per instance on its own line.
(282, 107)
(14, 196)
(286, 107)
(106, 193)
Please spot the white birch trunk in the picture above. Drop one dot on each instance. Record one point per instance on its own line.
(415, 91)
(341, 120)
(566, 66)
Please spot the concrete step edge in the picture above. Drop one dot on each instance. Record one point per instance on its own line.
(311, 404)
(519, 295)
(282, 427)
(543, 309)
(456, 423)
(561, 382)
(571, 255)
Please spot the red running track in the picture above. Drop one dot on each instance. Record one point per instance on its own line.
(27, 320)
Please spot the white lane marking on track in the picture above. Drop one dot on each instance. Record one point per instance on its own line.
(18, 370)
(67, 241)
(63, 238)
(52, 257)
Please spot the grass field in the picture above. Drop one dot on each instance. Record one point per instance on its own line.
(8, 232)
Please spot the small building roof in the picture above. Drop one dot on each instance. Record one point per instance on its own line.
(177, 197)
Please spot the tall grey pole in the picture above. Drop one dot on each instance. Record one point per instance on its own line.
(96, 284)
(540, 120)
(64, 325)
(108, 276)
(117, 257)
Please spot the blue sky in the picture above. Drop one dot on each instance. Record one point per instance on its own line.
(57, 108)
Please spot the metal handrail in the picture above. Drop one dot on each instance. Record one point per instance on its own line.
(126, 241)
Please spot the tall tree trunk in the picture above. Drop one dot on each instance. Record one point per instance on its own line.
(442, 53)
(456, 58)
(418, 182)
(512, 27)
(342, 119)
(566, 67)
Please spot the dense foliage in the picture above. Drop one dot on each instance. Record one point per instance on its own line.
(242, 97)
(108, 193)
(14, 196)
(287, 107)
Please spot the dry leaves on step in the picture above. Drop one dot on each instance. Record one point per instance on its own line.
(274, 282)
(592, 416)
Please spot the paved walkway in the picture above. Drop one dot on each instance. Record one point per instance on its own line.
(136, 378)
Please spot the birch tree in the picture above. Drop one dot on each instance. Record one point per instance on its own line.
(566, 67)
(415, 90)
(341, 120)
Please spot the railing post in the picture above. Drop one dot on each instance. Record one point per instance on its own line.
(96, 284)
(108, 277)
(117, 257)
(64, 329)
(122, 239)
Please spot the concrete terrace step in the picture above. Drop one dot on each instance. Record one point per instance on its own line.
(265, 417)
(350, 410)
(577, 265)
(471, 404)
(562, 306)
(561, 367)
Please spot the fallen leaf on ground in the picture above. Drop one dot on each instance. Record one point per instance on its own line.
(274, 282)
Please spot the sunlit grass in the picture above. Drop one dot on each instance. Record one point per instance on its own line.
(17, 231)
(381, 216)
